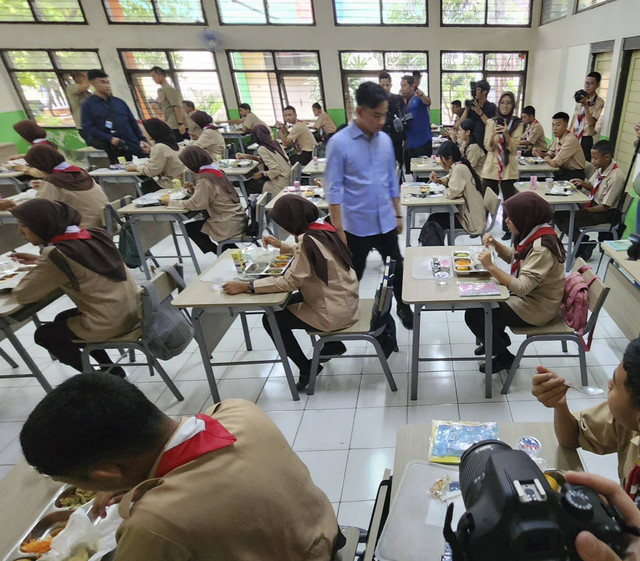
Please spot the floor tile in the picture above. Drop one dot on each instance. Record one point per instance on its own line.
(435, 388)
(9, 431)
(17, 403)
(485, 412)
(327, 469)
(325, 430)
(375, 391)
(356, 513)
(195, 395)
(470, 387)
(365, 469)
(424, 414)
(288, 422)
(250, 370)
(377, 427)
(241, 388)
(334, 392)
(276, 396)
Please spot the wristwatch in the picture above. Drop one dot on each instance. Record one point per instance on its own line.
(180, 124)
(251, 289)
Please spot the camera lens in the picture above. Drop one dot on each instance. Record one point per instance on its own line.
(473, 465)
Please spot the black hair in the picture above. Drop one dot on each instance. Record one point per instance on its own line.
(529, 110)
(88, 419)
(450, 149)
(483, 85)
(290, 108)
(158, 70)
(189, 104)
(561, 115)
(96, 73)
(456, 103)
(370, 94)
(595, 75)
(604, 147)
(76, 74)
(316, 105)
(245, 106)
(384, 76)
(631, 364)
(468, 125)
(416, 74)
(408, 79)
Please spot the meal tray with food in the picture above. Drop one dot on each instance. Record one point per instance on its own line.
(274, 269)
(466, 263)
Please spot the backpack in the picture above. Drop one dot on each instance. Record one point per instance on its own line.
(575, 303)
(252, 210)
(127, 247)
(431, 234)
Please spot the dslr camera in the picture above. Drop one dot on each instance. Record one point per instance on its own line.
(401, 121)
(579, 95)
(469, 102)
(513, 514)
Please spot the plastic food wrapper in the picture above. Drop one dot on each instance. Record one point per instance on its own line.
(82, 540)
(449, 439)
(260, 255)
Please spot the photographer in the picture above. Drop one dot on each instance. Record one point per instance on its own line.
(418, 126)
(395, 108)
(589, 106)
(479, 109)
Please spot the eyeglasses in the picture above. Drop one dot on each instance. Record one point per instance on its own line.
(590, 83)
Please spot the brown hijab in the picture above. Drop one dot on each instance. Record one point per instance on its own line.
(48, 219)
(295, 214)
(199, 161)
(46, 159)
(160, 132)
(201, 118)
(29, 130)
(262, 136)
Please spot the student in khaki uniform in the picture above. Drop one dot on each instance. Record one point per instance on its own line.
(212, 192)
(60, 181)
(249, 119)
(208, 138)
(188, 107)
(565, 151)
(89, 269)
(163, 155)
(536, 282)
(321, 271)
(533, 136)
(587, 116)
(171, 104)
(469, 146)
(323, 122)
(221, 485)
(300, 137)
(32, 132)
(77, 92)
(612, 426)
(461, 182)
(605, 187)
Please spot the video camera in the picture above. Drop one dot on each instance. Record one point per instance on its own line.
(579, 95)
(468, 103)
(514, 514)
(401, 121)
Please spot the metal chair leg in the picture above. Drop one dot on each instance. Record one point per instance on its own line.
(564, 346)
(583, 364)
(245, 331)
(515, 365)
(8, 358)
(315, 362)
(165, 377)
(385, 364)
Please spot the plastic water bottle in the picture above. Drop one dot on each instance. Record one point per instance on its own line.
(315, 161)
(296, 185)
(434, 159)
(533, 182)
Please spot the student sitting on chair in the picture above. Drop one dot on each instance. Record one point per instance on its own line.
(32, 132)
(88, 268)
(213, 193)
(469, 147)
(223, 484)
(612, 426)
(321, 271)
(606, 186)
(60, 181)
(533, 136)
(208, 138)
(565, 151)
(300, 137)
(536, 282)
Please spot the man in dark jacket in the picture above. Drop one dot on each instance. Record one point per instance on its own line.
(395, 108)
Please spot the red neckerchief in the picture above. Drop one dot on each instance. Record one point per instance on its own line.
(81, 235)
(209, 126)
(596, 185)
(324, 226)
(215, 172)
(515, 266)
(67, 169)
(211, 436)
(501, 141)
(632, 485)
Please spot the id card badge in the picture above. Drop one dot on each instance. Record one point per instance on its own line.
(108, 125)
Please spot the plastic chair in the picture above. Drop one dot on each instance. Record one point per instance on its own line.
(296, 173)
(491, 205)
(261, 203)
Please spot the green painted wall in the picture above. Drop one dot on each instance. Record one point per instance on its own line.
(7, 134)
(436, 117)
(234, 114)
(337, 116)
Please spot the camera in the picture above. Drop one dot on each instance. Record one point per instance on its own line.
(468, 103)
(579, 95)
(514, 514)
(401, 121)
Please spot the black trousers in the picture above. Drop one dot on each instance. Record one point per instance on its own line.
(424, 150)
(503, 316)
(204, 242)
(304, 158)
(508, 190)
(587, 144)
(57, 338)
(442, 218)
(564, 174)
(387, 246)
(583, 219)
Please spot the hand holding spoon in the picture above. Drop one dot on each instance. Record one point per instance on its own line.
(586, 390)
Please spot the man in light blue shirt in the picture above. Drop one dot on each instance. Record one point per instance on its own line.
(362, 188)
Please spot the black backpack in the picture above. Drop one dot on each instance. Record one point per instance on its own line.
(252, 211)
(431, 234)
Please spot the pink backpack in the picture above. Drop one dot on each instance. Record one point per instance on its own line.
(575, 303)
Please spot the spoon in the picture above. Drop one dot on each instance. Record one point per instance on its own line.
(587, 390)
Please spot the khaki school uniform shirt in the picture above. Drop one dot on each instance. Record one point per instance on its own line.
(536, 294)
(212, 141)
(108, 308)
(251, 120)
(90, 203)
(163, 162)
(302, 137)
(610, 187)
(460, 183)
(325, 307)
(191, 126)
(596, 111)
(566, 152)
(170, 99)
(476, 156)
(601, 434)
(76, 97)
(490, 168)
(279, 172)
(227, 219)
(325, 123)
(253, 500)
(534, 134)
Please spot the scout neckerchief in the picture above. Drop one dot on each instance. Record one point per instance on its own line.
(501, 141)
(530, 129)
(596, 185)
(195, 437)
(632, 485)
(66, 167)
(71, 233)
(539, 231)
(320, 225)
(210, 168)
(39, 140)
(578, 128)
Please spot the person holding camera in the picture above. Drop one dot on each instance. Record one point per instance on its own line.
(589, 107)
(479, 109)
(395, 109)
(533, 136)
(565, 152)
(417, 123)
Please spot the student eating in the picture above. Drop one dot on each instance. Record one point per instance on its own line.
(208, 137)
(565, 151)
(32, 132)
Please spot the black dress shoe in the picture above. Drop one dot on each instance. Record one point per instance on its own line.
(506, 236)
(499, 363)
(303, 380)
(586, 250)
(332, 349)
(406, 316)
(480, 349)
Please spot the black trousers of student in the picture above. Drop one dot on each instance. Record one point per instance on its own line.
(564, 174)
(387, 246)
(58, 339)
(198, 237)
(508, 190)
(424, 150)
(442, 218)
(503, 316)
(304, 158)
(587, 144)
(583, 219)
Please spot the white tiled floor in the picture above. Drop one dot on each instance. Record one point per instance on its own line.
(345, 433)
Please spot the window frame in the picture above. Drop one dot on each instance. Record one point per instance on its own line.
(275, 71)
(157, 22)
(266, 12)
(577, 11)
(489, 25)
(39, 22)
(58, 72)
(171, 73)
(486, 73)
(571, 6)
(381, 24)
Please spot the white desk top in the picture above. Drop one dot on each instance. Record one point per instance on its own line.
(542, 189)
(106, 172)
(623, 261)
(320, 202)
(240, 170)
(315, 169)
(407, 199)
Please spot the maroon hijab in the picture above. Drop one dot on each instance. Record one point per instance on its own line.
(46, 159)
(201, 118)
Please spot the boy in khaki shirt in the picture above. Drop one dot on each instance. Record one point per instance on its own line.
(533, 136)
(170, 103)
(300, 137)
(323, 122)
(586, 120)
(565, 151)
(77, 92)
(249, 119)
(612, 426)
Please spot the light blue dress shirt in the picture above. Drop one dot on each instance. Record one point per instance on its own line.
(361, 176)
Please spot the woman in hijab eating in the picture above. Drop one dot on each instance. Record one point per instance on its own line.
(536, 282)
(58, 180)
(209, 138)
(321, 271)
(87, 266)
(32, 132)
(214, 194)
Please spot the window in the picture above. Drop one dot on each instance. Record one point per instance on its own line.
(270, 80)
(40, 79)
(601, 62)
(41, 11)
(503, 71)
(486, 12)
(275, 12)
(553, 10)
(358, 66)
(154, 11)
(192, 73)
(380, 12)
(586, 4)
